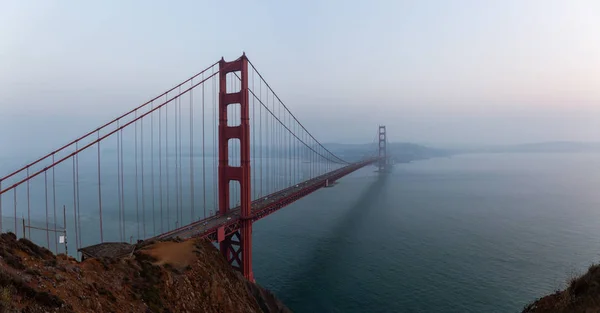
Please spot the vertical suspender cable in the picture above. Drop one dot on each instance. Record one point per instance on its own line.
(15, 209)
(122, 187)
(272, 148)
(180, 155)
(53, 204)
(152, 169)
(160, 183)
(260, 138)
(192, 204)
(78, 203)
(179, 190)
(203, 150)
(295, 156)
(176, 161)
(268, 148)
(74, 209)
(253, 143)
(215, 151)
(119, 183)
(100, 191)
(167, 166)
(143, 181)
(29, 199)
(214, 132)
(137, 194)
(46, 195)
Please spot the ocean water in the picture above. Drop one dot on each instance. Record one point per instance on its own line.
(470, 233)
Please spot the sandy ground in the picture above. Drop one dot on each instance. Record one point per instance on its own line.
(179, 254)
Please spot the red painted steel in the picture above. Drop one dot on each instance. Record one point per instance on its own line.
(214, 227)
(236, 247)
(231, 227)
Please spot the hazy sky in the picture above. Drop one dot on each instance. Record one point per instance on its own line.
(442, 71)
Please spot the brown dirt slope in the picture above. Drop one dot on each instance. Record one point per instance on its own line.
(582, 296)
(188, 276)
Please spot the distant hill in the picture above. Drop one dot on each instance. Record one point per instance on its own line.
(539, 147)
(403, 152)
(399, 151)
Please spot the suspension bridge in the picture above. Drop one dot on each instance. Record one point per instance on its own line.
(206, 158)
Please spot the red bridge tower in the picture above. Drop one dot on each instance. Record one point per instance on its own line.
(236, 247)
(382, 149)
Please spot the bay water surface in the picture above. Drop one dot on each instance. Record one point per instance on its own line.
(470, 233)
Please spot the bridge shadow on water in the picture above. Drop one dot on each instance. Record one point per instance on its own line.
(311, 287)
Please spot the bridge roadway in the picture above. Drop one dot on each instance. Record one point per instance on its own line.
(229, 222)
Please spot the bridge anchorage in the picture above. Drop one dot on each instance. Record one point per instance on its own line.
(169, 183)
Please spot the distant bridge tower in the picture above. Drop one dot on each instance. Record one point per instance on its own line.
(382, 149)
(236, 247)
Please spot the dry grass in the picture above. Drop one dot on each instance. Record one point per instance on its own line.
(186, 276)
(177, 254)
(6, 295)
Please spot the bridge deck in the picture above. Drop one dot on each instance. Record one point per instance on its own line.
(261, 207)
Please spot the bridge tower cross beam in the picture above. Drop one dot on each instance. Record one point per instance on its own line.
(382, 149)
(236, 247)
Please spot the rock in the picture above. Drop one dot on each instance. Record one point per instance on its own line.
(208, 283)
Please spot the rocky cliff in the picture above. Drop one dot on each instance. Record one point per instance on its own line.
(186, 276)
(582, 295)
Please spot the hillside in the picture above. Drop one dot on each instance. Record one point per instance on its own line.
(187, 276)
(400, 152)
(582, 295)
(538, 147)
